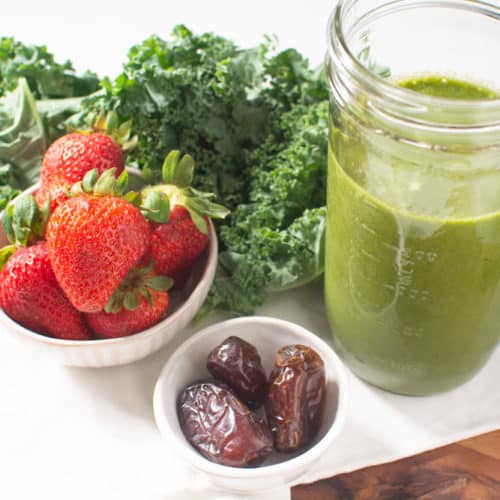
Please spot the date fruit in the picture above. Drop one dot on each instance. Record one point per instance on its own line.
(296, 397)
(238, 364)
(221, 427)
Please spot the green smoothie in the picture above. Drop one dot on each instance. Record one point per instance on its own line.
(412, 277)
(449, 88)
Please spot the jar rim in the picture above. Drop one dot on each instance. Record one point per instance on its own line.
(338, 50)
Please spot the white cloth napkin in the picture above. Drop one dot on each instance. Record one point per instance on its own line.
(90, 433)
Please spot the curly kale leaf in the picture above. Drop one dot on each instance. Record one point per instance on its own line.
(255, 122)
(204, 95)
(276, 240)
(45, 76)
(274, 261)
(190, 93)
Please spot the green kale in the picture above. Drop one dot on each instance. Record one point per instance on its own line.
(275, 241)
(27, 127)
(37, 96)
(46, 78)
(22, 139)
(255, 121)
(274, 260)
(203, 95)
(190, 94)
(56, 115)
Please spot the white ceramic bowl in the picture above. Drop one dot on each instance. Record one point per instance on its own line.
(188, 364)
(184, 305)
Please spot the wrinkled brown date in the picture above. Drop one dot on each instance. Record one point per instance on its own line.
(238, 364)
(221, 427)
(296, 398)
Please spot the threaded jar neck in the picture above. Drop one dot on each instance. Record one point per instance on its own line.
(363, 72)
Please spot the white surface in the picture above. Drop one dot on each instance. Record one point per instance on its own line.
(97, 34)
(268, 335)
(90, 433)
(72, 433)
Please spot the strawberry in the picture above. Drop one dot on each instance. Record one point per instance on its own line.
(30, 295)
(70, 157)
(56, 194)
(125, 322)
(94, 238)
(140, 302)
(177, 243)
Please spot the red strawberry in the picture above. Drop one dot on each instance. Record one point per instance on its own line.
(176, 244)
(58, 194)
(30, 295)
(70, 157)
(140, 301)
(126, 322)
(93, 243)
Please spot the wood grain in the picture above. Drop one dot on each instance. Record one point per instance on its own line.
(467, 470)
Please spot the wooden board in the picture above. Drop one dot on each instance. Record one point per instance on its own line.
(468, 469)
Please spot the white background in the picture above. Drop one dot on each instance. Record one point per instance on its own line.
(68, 433)
(97, 34)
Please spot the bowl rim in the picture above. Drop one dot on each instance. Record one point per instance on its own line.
(211, 260)
(297, 463)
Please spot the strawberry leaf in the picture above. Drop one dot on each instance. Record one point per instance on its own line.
(24, 223)
(133, 197)
(75, 190)
(183, 174)
(113, 305)
(201, 203)
(168, 167)
(198, 220)
(25, 212)
(7, 222)
(130, 301)
(138, 283)
(179, 173)
(89, 180)
(122, 183)
(43, 218)
(156, 207)
(6, 253)
(110, 124)
(160, 283)
(27, 221)
(105, 184)
(147, 295)
(149, 268)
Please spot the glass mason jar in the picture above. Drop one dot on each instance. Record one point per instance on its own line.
(412, 279)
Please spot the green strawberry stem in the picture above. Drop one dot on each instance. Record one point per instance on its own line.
(24, 223)
(6, 253)
(155, 206)
(178, 172)
(104, 185)
(109, 124)
(177, 175)
(139, 281)
(197, 203)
